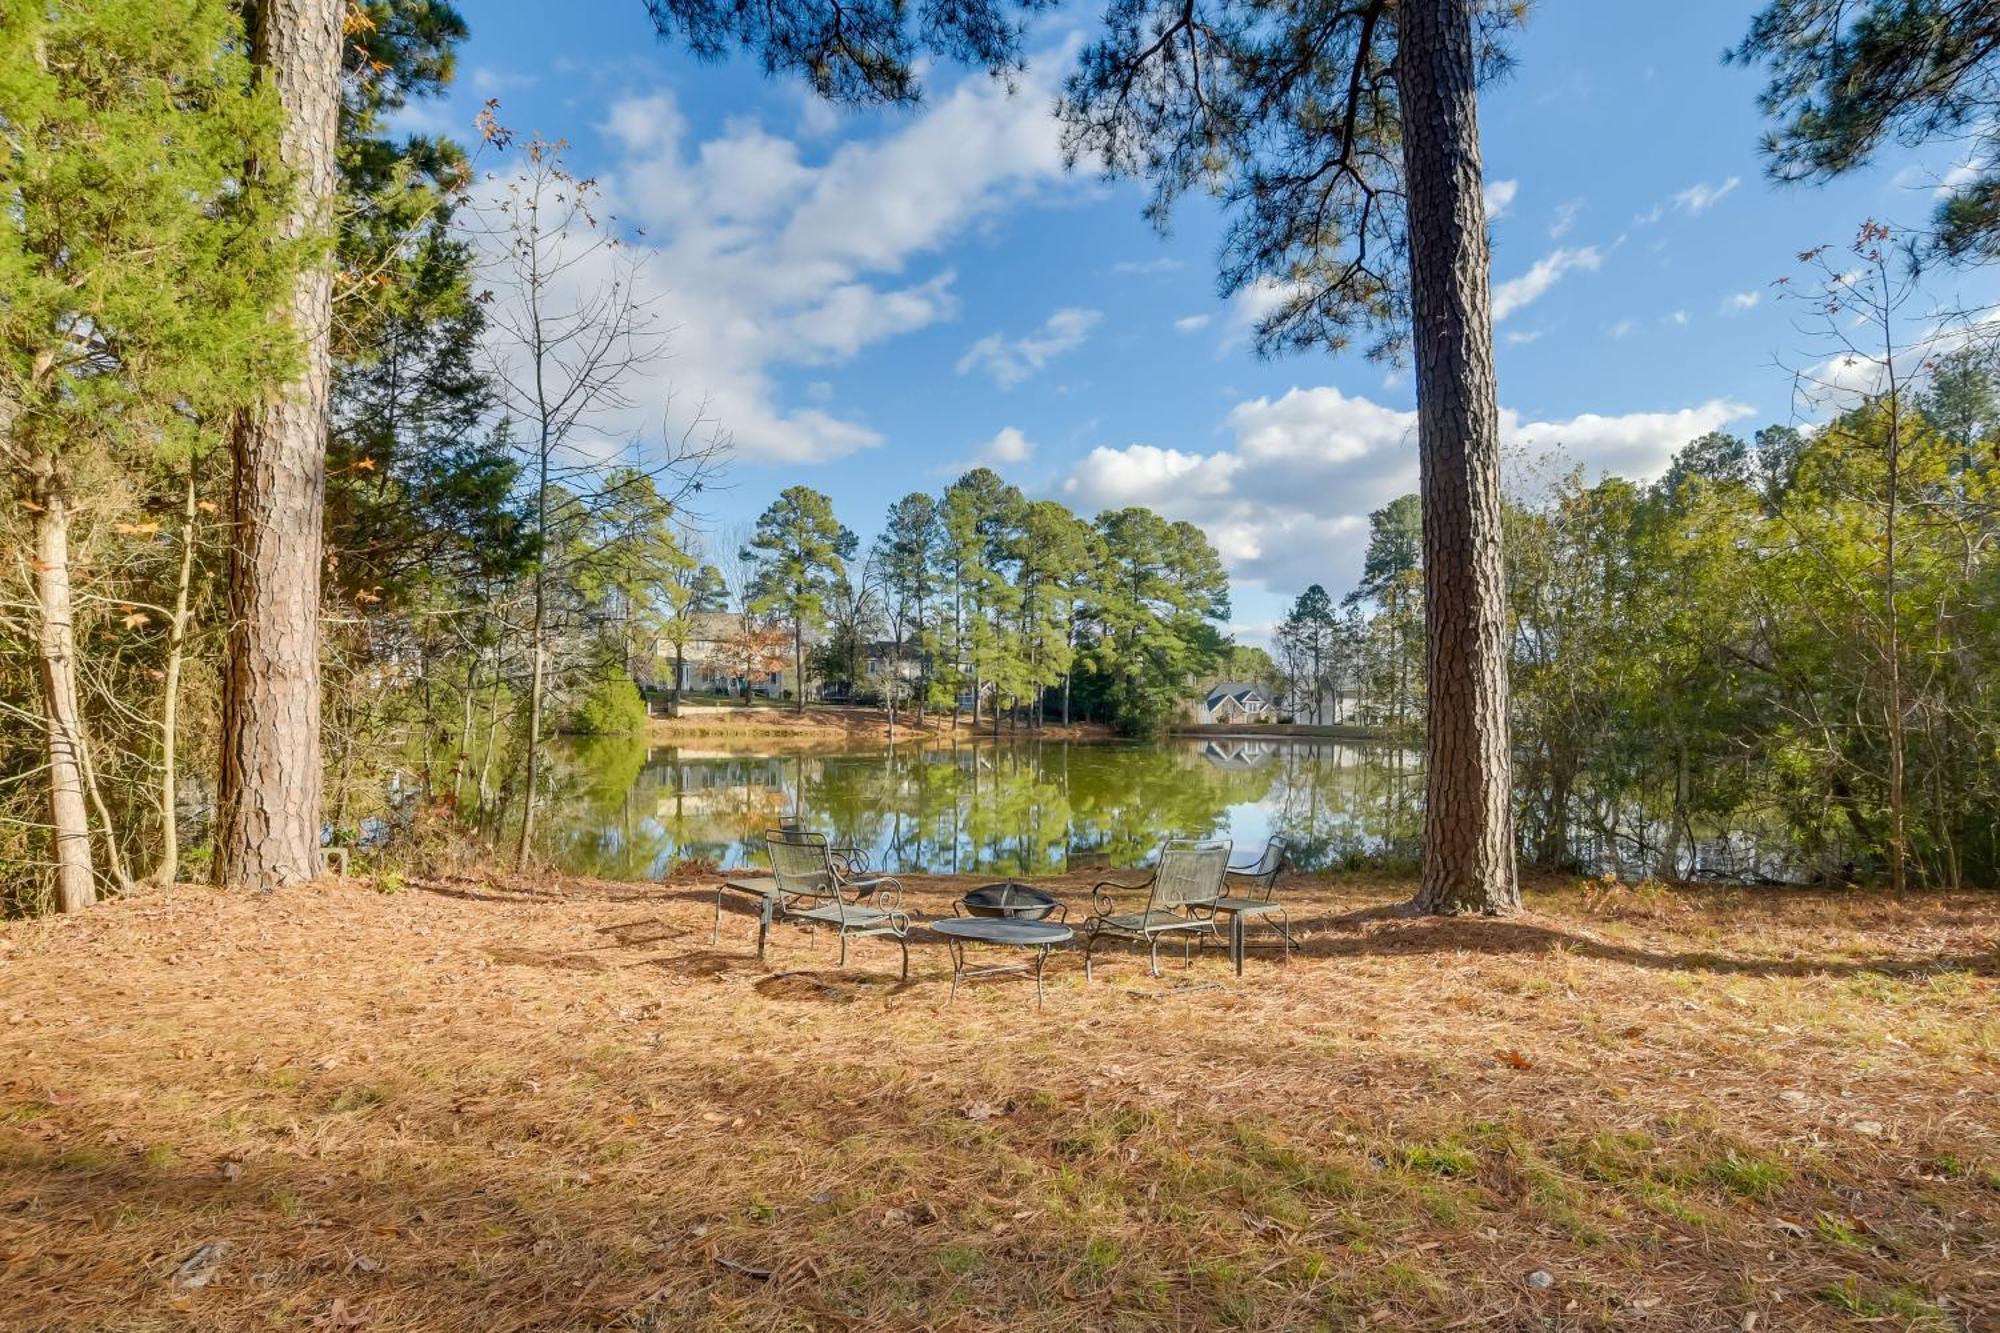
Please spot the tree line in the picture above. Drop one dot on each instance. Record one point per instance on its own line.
(983, 602)
(245, 342)
(1780, 658)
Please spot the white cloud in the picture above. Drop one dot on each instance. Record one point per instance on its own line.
(1742, 301)
(1287, 502)
(1192, 323)
(1522, 337)
(1961, 174)
(1677, 318)
(761, 256)
(491, 82)
(1008, 446)
(1164, 264)
(1701, 196)
(1565, 218)
(1515, 293)
(1251, 305)
(1498, 197)
(1011, 361)
(1623, 328)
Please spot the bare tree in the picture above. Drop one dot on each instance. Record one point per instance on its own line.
(572, 330)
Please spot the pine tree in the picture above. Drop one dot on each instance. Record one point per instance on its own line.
(799, 549)
(1346, 145)
(268, 797)
(137, 262)
(1848, 76)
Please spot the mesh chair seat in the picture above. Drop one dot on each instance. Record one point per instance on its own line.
(842, 914)
(1138, 923)
(1247, 906)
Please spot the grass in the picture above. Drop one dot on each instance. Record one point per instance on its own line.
(551, 1105)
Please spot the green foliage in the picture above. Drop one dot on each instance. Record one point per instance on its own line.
(610, 706)
(138, 259)
(1848, 76)
(1291, 116)
(799, 550)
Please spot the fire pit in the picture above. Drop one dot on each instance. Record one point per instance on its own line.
(1019, 902)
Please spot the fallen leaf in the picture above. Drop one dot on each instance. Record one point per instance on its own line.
(1516, 1059)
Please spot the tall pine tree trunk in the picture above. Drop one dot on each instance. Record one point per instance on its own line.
(62, 722)
(268, 815)
(1468, 811)
(798, 666)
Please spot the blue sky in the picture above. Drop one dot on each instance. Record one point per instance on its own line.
(871, 301)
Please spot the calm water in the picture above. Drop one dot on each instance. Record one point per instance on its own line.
(1025, 807)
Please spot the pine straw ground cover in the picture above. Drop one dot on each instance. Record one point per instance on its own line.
(521, 1105)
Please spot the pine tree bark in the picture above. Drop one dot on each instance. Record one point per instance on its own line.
(62, 723)
(268, 806)
(1468, 810)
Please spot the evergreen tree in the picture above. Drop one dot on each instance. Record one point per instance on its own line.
(268, 796)
(1346, 144)
(799, 550)
(137, 262)
(1848, 76)
(909, 553)
(1307, 633)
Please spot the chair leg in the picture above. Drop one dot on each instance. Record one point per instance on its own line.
(1156, 955)
(1187, 951)
(906, 955)
(715, 936)
(843, 949)
(1282, 923)
(1089, 943)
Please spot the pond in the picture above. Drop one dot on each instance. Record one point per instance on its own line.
(1027, 807)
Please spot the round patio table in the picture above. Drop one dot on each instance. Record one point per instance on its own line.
(1040, 936)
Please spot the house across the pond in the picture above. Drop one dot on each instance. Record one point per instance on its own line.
(1233, 701)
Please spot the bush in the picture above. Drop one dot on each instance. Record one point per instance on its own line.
(612, 706)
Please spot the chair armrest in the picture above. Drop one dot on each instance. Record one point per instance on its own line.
(1263, 882)
(886, 890)
(1102, 903)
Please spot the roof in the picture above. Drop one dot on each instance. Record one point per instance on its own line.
(1239, 690)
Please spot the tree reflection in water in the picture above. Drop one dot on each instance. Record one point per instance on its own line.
(1015, 807)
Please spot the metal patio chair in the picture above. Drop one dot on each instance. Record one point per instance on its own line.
(1248, 893)
(814, 891)
(1186, 880)
(849, 861)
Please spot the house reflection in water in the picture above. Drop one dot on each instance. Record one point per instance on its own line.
(1240, 755)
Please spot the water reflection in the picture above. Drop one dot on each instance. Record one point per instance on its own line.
(1027, 807)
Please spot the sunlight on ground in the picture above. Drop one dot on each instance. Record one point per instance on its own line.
(532, 1106)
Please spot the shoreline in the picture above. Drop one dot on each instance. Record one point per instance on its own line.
(839, 724)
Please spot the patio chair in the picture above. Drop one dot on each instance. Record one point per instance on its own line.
(1186, 880)
(1248, 893)
(813, 891)
(849, 861)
